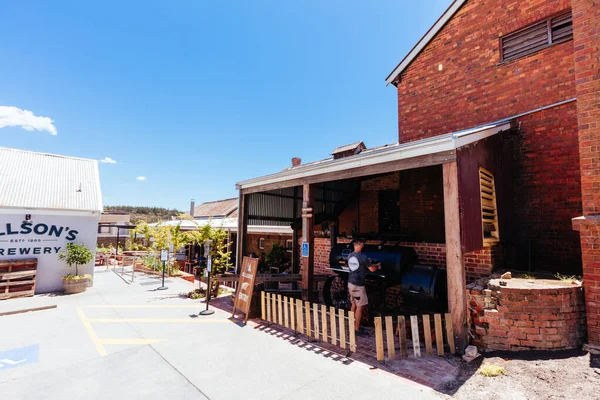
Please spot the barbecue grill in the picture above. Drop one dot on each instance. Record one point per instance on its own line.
(421, 287)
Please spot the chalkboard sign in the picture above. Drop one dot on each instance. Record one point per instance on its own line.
(245, 288)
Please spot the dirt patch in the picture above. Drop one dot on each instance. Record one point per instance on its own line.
(571, 374)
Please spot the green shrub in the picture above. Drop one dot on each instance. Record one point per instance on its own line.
(76, 255)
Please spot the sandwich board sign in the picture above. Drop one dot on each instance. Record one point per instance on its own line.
(245, 288)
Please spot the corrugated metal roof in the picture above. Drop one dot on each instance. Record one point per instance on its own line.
(220, 208)
(48, 181)
(379, 155)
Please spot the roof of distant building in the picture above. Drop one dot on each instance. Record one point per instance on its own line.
(219, 208)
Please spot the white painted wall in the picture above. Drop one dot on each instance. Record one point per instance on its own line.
(14, 242)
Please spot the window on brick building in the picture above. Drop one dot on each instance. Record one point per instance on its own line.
(536, 37)
(289, 245)
(261, 243)
(489, 214)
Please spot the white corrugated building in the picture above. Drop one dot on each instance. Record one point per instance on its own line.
(47, 201)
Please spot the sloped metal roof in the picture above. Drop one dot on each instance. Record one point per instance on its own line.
(394, 152)
(35, 180)
(220, 208)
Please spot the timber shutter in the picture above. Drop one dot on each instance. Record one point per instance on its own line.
(536, 37)
(489, 214)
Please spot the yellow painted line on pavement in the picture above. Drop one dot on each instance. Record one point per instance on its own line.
(158, 320)
(148, 306)
(130, 341)
(91, 333)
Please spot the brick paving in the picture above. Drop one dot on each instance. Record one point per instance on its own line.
(431, 371)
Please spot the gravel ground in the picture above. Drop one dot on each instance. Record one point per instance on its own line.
(571, 374)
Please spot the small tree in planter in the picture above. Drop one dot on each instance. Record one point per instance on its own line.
(76, 255)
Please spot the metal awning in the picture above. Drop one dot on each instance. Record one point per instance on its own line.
(420, 153)
(230, 224)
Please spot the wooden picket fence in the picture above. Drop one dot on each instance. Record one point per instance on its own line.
(400, 331)
(313, 320)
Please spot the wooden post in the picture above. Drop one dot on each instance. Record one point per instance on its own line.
(449, 333)
(455, 268)
(274, 302)
(286, 316)
(280, 309)
(300, 320)
(414, 326)
(333, 325)
(402, 336)
(379, 340)
(263, 311)
(342, 325)
(439, 334)
(351, 331)
(295, 250)
(308, 234)
(269, 307)
(324, 334)
(292, 314)
(389, 334)
(307, 309)
(242, 231)
(316, 320)
(427, 334)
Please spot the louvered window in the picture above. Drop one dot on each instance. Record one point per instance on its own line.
(537, 36)
(489, 214)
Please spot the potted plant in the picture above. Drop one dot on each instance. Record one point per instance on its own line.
(275, 258)
(76, 255)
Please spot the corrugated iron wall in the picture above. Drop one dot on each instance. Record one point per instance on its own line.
(276, 207)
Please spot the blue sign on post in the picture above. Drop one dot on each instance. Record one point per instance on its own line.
(16, 357)
(304, 249)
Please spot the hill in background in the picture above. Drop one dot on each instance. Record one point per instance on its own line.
(148, 214)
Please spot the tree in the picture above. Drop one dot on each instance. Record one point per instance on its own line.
(76, 255)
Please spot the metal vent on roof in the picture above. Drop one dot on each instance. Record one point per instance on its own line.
(348, 150)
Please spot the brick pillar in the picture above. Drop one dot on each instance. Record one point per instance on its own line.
(586, 43)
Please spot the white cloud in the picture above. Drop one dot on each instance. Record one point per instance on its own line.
(13, 116)
(108, 160)
(141, 178)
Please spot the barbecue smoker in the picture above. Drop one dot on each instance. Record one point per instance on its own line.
(421, 287)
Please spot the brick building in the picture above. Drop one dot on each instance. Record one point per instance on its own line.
(497, 163)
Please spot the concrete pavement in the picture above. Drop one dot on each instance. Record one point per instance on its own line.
(121, 340)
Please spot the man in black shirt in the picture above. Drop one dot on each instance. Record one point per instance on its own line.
(358, 263)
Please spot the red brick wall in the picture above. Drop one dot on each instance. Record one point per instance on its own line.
(481, 90)
(421, 204)
(322, 250)
(586, 26)
(473, 88)
(550, 317)
(270, 239)
(547, 190)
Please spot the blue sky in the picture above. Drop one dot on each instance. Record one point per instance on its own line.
(197, 95)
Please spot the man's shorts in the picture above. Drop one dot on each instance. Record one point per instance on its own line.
(358, 295)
